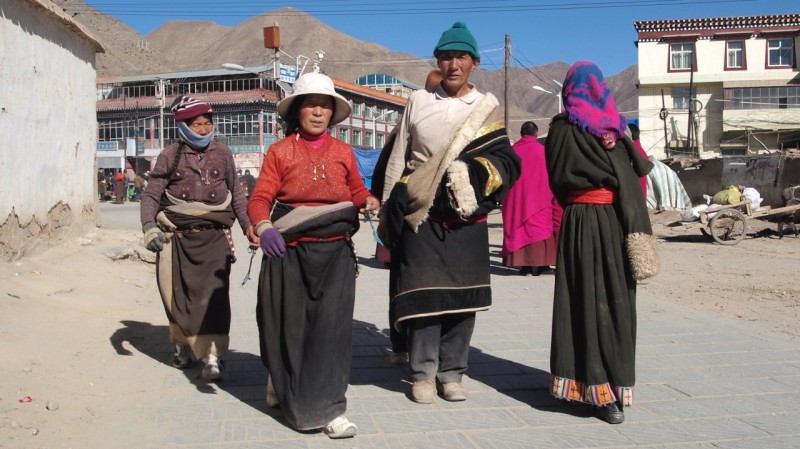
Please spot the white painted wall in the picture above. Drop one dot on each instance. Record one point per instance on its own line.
(48, 123)
(654, 57)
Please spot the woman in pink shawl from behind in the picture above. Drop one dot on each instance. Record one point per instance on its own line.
(531, 217)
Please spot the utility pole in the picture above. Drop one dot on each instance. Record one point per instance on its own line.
(505, 84)
(161, 96)
(689, 107)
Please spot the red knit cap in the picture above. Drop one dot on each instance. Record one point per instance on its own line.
(187, 108)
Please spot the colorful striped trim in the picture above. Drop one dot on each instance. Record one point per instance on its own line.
(573, 390)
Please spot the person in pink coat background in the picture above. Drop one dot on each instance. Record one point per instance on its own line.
(638, 144)
(531, 216)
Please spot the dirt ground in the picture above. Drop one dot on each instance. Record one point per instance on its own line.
(754, 280)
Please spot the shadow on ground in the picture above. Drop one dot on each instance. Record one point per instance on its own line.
(528, 385)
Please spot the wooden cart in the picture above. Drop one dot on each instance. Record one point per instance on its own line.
(728, 224)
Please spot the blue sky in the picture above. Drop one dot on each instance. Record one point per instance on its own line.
(541, 31)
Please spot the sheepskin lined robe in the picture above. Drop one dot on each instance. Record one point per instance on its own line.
(593, 348)
(435, 219)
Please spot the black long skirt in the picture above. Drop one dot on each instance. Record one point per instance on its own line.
(593, 347)
(305, 314)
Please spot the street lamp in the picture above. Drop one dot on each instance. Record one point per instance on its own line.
(375, 117)
(161, 97)
(232, 66)
(557, 94)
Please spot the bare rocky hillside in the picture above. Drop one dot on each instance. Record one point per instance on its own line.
(126, 51)
(182, 45)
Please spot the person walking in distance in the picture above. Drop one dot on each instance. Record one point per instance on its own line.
(530, 235)
(187, 210)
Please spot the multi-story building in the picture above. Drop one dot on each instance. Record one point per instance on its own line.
(133, 111)
(725, 86)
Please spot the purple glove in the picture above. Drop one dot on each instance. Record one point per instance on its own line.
(272, 243)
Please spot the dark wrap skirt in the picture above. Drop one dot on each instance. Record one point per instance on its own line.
(193, 274)
(593, 346)
(305, 320)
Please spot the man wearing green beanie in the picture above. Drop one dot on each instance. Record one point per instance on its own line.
(450, 165)
(458, 38)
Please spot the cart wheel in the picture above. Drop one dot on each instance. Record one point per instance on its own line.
(728, 227)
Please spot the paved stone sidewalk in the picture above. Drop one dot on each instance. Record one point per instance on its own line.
(702, 381)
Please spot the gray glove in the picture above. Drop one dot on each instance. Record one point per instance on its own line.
(154, 239)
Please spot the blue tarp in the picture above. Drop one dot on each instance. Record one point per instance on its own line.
(366, 160)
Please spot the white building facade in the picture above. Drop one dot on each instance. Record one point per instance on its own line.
(48, 186)
(719, 87)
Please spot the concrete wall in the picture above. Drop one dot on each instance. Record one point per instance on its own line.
(767, 174)
(48, 126)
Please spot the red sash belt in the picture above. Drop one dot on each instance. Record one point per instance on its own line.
(334, 238)
(447, 224)
(593, 195)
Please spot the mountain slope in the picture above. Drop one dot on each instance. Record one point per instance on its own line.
(301, 35)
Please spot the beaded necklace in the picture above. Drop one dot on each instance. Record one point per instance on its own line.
(316, 142)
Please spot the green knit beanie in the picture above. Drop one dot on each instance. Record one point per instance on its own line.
(457, 38)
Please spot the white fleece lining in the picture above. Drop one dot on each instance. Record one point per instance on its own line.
(463, 192)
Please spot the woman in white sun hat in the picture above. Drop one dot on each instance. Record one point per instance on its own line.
(305, 206)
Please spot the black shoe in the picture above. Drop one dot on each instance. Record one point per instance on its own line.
(526, 271)
(545, 270)
(611, 413)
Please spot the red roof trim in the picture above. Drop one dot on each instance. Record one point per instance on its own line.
(242, 96)
(367, 92)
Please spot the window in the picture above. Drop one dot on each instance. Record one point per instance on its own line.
(344, 135)
(735, 55)
(681, 56)
(779, 52)
(782, 97)
(381, 140)
(681, 97)
(356, 137)
(368, 138)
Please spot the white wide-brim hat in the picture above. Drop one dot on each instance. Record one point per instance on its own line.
(316, 83)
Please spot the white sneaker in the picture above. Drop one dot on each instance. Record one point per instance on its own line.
(272, 398)
(182, 358)
(340, 428)
(213, 369)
